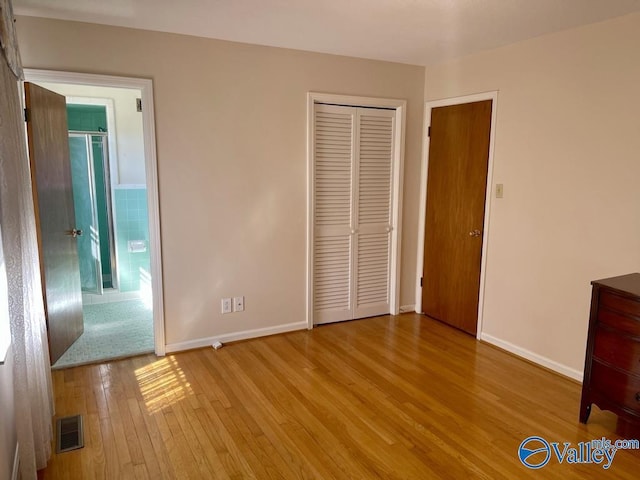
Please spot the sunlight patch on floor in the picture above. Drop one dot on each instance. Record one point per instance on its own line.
(162, 384)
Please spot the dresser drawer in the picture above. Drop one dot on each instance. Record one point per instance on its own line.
(617, 386)
(618, 350)
(619, 303)
(626, 324)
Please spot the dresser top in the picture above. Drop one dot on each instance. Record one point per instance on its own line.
(629, 284)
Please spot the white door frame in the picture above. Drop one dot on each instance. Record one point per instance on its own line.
(151, 170)
(400, 107)
(493, 95)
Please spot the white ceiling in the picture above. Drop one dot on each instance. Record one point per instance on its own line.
(420, 32)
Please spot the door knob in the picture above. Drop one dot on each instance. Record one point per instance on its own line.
(475, 233)
(75, 232)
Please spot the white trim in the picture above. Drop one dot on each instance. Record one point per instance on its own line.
(310, 230)
(129, 186)
(534, 357)
(15, 473)
(493, 95)
(151, 170)
(400, 107)
(235, 336)
(407, 308)
(109, 296)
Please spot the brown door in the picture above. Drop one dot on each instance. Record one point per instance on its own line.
(456, 188)
(53, 198)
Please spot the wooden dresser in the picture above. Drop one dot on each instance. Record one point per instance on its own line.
(612, 365)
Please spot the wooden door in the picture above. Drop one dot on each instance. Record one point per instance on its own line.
(55, 219)
(456, 189)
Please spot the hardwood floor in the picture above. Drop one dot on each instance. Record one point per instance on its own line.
(400, 397)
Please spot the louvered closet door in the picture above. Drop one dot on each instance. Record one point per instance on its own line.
(333, 178)
(353, 159)
(373, 187)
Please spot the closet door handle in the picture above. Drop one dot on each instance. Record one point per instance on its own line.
(75, 232)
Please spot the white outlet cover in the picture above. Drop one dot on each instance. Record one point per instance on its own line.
(238, 304)
(226, 305)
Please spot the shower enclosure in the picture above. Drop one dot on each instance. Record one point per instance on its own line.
(92, 201)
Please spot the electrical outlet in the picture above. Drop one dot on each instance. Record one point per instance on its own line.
(238, 304)
(226, 305)
(499, 190)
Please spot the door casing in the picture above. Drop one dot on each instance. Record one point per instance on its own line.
(151, 170)
(492, 95)
(400, 107)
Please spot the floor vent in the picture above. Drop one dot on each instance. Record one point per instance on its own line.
(69, 434)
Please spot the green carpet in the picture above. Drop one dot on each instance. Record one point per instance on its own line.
(111, 330)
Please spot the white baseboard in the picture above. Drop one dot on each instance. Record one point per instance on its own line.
(16, 464)
(534, 357)
(233, 337)
(407, 308)
(109, 296)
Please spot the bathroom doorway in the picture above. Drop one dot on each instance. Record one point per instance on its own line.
(118, 251)
(91, 184)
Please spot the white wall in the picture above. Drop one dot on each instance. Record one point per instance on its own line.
(231, 136)
(567, 152)
(130, 146)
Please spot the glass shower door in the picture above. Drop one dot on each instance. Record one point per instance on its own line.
(84, 202)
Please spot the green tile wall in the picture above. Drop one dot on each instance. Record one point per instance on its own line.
(131, 222)
(87, 118)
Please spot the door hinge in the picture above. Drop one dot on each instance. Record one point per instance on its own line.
(138, 104)
(420, 281)
(429, 131)
(26, 115)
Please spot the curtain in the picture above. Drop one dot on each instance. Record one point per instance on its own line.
(31, 367)
(8, 39)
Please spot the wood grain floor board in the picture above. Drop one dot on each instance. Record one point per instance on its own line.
(310, 401)
(274, 430)
(383, 398)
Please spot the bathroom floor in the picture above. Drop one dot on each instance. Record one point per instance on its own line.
(111, 330)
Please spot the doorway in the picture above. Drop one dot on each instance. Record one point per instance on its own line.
(355, 156)
(92, 195)
(455, 206)
(114, 176)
